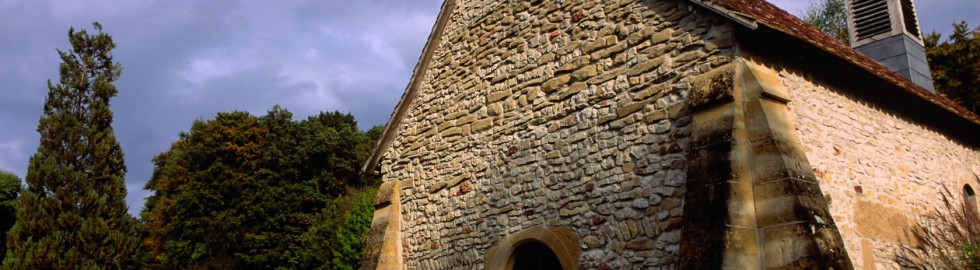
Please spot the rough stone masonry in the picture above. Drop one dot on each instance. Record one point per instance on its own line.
(641, 134)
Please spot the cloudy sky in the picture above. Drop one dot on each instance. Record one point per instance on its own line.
(185, 60)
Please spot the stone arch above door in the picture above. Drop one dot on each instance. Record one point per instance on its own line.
(560, 240)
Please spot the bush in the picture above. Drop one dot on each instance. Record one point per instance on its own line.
(340, 233)
(948, 238)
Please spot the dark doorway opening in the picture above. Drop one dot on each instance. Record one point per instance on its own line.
(535, 256)
(970, 198)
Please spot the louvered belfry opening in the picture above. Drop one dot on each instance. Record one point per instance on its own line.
(911, 21)
(871, 18)
(888, 31)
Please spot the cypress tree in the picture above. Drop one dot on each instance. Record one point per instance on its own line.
(955, 65)
(73, 213)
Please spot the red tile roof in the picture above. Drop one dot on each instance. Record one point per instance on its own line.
(771, 16)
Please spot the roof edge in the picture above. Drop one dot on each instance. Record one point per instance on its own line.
(731, 15)
(394, 122)
(739, 12)
(910, 87)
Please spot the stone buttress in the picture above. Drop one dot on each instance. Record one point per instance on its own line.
(753, 201)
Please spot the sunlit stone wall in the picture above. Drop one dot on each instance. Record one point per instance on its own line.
(879, 172)
(554, 113)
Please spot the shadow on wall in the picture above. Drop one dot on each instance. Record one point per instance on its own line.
(706, 205)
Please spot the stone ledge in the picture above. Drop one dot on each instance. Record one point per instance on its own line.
(383, 197)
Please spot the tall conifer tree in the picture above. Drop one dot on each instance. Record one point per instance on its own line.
(955, 65)
(73, 213)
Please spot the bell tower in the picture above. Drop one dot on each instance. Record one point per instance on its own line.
(888, 31)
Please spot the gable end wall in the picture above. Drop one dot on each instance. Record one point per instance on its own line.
(570, 114)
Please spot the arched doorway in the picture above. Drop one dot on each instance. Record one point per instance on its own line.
(534, 255)
(538, 247)
(970, 198)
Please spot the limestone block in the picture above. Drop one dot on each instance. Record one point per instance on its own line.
(741, 205)
(688, 57)
(445, 125)
(713, 125)
(646, 66)
(768, 118)
(574, 64)
(881, 222)
(662, 36)
(776, 159)
(385, 192)
(868, 254)
(659, 49)
(618, 47)
(452, 132)
(465, 120)
(763, 81)
(498, 95)
(641, 35)
(592, 46)
(555, 83)
(640, 244)
(780, 201)
(655, 90)
(713, 85)
(585, 72)
(546, 58)
(789, 246)
(631, 108)
(593, 242)
(573, 209)
(495, 108)
(482, 124)
(742, 249)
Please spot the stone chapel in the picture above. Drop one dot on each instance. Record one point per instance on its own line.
(679, 134)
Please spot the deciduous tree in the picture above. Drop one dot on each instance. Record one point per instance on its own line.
(830, 17)
(241, 191)
(9, 190)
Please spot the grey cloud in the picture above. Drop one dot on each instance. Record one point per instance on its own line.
(187, 60)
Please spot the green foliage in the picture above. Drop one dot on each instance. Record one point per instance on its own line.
(337, 238)
(948, 238)
(353, 235)
(240, 191)
(9, 190)
(830, 17)
(364, 150)
(204, 227)
(73, 213)
(955, 65)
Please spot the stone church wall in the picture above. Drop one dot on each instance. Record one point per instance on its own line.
(878, 171)
(553, 113)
